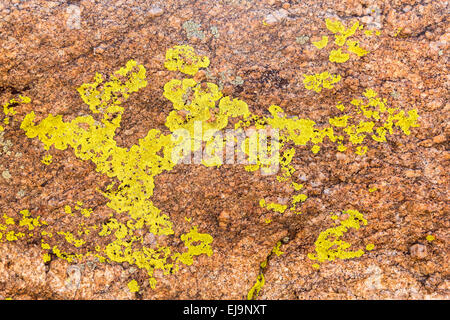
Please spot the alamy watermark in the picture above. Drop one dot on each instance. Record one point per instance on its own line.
(254, 147)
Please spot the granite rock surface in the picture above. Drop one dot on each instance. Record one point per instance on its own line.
(259, 51)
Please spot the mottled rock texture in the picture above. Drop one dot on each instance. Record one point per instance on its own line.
(49, 48)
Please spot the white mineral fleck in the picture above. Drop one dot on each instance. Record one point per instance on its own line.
(6, 175)
(155, 11)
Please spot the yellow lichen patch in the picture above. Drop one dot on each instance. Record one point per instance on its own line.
(338, 56)
(340, 106)
(361, 150)
(299, 198)
(45, 245)
(84, 229)
(370, 33)
(8, 220)
(298, 131)
(341, 148)
(354, 137)
(106, 97)
(65, 256)
(318, 81)
(273, 206)
(370, 247)
(342, 36)
(353, 46)
(8, 107)
(46, 257)
(13, 236)
(296, 186)
(47, 159)
(121, 230)
(179, 91)
(184, 59)
(276, 249)
(70, 238)
(67, 209)
(133, 286)
(260, 280)
(430, 238)
(86, 212)
(404, 123)
(385, 118)
(370, 93)
(322, 43)
(315, 149)
(329, 246)
(254, 291)
(203, 247)
(267, 159)
(334, 26)
(29, 222)
(201, 119)
(233, 107)
(339, 121)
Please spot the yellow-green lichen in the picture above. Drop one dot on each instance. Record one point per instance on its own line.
(276, 250)
(254, 291)
(335, 26)
(203, 246)
(46, 257)
(67, 209)
(353, 46)
(133, 286)
(298, 198)
(47, 159)
(184, 59)
(329, 245)
(260, 280)
(318, 81)
(70, 238)
(322, 43)
(338, 56)
(8, 220)
(342, 35)
(28, 221)
(273, 206)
